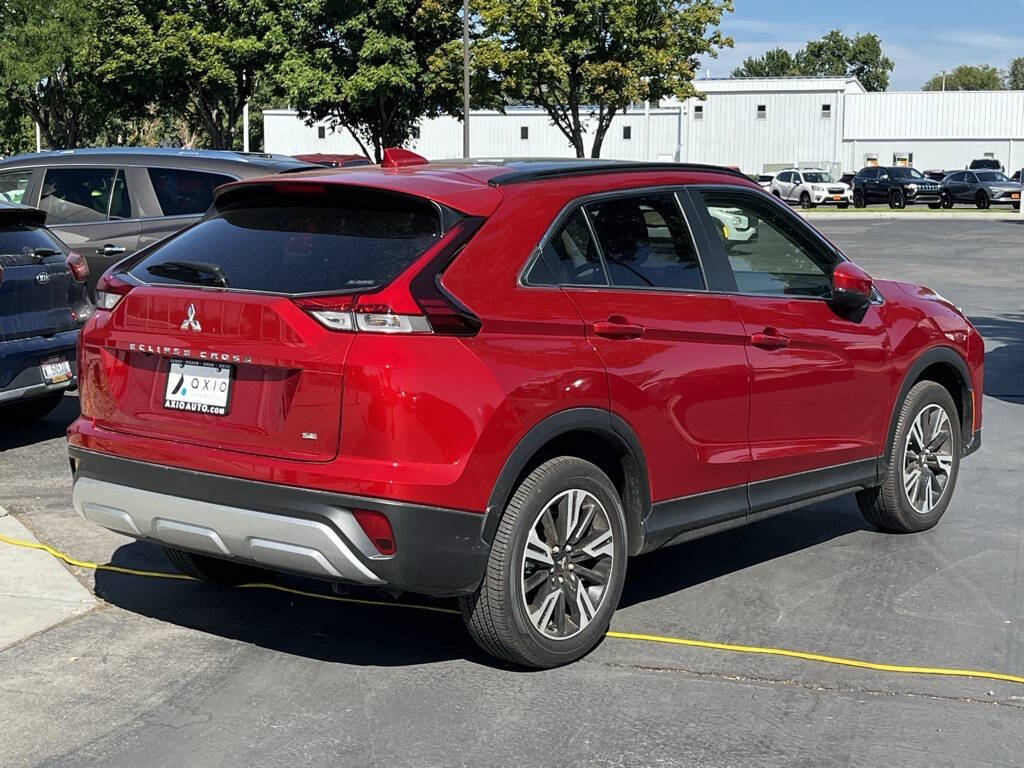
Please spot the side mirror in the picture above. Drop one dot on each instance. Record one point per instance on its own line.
(851, 286)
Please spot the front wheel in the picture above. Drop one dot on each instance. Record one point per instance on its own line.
(555, 570)
(858, 199)
(981, 200)
(947, 200)
(805, 201)
(897, 200)
(922, 471)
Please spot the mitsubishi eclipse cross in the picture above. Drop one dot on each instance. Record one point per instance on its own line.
(499, 380)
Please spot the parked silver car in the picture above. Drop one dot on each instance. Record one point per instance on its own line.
(983, 188)
(107, 203)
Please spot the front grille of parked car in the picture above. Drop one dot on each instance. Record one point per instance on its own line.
(836, 190)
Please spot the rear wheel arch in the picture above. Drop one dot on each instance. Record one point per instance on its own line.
(944, 366)
(591, 434)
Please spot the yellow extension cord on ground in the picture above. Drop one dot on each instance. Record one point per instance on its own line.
(899, 668)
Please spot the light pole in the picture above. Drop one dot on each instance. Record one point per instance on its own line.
(465, 78)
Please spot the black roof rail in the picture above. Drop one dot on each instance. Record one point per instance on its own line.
(591, 167)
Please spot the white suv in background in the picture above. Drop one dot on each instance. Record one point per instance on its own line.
(811, 187)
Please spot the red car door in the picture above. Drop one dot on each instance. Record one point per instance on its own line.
(820, 377)
(674, 351)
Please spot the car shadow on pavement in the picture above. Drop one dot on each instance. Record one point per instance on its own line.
(1004, 364)
(679, 567)
(53, 425)
(326, 630)
(393, 635)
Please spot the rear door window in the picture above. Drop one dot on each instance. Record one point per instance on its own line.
(645, 242)
(335, 239)
(184, 193)
(84, 195)
(14, 184)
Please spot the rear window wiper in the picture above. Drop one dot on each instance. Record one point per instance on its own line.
(198, 272)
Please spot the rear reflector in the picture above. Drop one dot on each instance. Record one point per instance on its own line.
(79, 268)
(377, 527)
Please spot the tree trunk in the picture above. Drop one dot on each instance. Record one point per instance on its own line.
(604, 122)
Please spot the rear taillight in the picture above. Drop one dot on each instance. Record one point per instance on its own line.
(78, 266)
(109, 291)
(377, 527)
(345, 313)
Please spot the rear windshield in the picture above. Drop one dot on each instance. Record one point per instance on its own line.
(341, 239)
(21, 244)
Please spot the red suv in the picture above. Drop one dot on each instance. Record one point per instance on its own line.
(499, 380)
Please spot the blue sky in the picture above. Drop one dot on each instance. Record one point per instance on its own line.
(921, 38)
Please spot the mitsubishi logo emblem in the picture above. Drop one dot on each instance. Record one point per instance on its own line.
(190, 323)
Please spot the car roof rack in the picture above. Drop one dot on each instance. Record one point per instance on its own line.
(567, 169)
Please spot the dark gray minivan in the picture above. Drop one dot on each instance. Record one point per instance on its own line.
(107, 203)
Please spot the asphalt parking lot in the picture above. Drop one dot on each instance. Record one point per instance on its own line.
(172, 673)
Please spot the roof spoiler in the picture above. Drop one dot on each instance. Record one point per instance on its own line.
(22, 213)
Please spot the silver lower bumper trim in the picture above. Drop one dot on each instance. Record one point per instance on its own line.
(272, 541)
(34, 390)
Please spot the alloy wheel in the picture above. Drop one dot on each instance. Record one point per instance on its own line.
(928, 458)
(567, 564)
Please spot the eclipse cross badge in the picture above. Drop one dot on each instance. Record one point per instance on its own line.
(190, 323)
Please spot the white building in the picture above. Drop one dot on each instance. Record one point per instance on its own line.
(756, 124)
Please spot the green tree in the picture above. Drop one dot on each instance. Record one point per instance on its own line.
(834, 55)
(592, 58)
(777, 62)
(1015, 74)
(968, 78)
(51, 56)
(365, 65)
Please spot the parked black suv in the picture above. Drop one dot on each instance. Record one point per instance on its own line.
(108, 203)
(896, 185)
(42, 308)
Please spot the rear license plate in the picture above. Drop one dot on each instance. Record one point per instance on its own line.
(55, 370)
(198, 387)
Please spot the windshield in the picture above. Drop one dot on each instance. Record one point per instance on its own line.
(991, 176)
(905, 173)
(348, 239)
(818, 177)
(985, 164)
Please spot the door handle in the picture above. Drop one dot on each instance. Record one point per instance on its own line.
(769, 338)
(616, 327)
(111, 250)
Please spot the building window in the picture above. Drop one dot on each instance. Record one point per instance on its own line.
(698, 112)
(321, 132)
(826, 110)
(524, 132)
(627, 132)
(416, 132)
(762, 111)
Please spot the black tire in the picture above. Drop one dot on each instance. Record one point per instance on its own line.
(886, 506)
(858, 199)
(981, 200)
(25, 411)
(935, 206)
(897, 200)
(947, 200)
(805, 200)
(496, 614)
(213, 570)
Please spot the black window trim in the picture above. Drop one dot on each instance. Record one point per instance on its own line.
(580, 203)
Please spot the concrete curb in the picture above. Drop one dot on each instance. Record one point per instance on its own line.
(36, 591)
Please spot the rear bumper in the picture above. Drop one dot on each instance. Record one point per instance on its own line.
(20, 376)
(283, 528)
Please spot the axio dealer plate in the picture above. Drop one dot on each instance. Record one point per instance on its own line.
(198, 387)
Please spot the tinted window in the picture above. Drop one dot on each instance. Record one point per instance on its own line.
(956, 176)
(768, 250)
(19, 242)
(868, 174)
(81, 195)
(991, 176)
(645, 242)
(818, 177)
(569, 257)
(181, 193)
(906, 173)
(785, 177)
(339, 240)
(13, 185)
